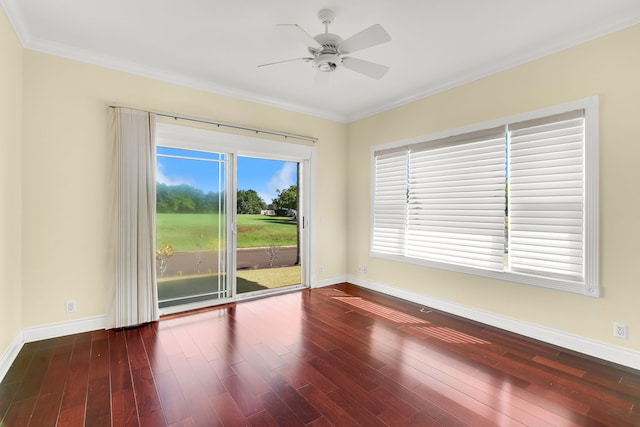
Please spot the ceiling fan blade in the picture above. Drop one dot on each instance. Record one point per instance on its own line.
(286, 60)
(372, 36)
(302, 35)
(370, 69)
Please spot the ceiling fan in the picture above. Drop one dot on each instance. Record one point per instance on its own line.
(328, 50)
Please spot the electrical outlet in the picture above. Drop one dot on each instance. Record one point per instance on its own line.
(620, 330)
(70, 306)
(364, 269)
(360, 269)
(321, 270)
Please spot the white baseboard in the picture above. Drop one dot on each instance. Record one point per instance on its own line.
(60, 329)
(10, 355)
(563, 339)
(329, 281)
(587, 346)
(43, 332)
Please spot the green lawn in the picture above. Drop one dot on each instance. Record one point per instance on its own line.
(188, 232)
(268, 277)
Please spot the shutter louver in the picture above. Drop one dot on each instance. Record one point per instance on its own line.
(390, 203)
(457, 200)
(546, 197)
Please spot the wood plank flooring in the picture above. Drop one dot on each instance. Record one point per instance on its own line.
(336, 356)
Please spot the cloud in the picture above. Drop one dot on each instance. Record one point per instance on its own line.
(167, 180)
(280, 180)
(268, 198)
(283, 178)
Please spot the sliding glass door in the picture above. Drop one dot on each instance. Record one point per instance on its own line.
(230, 216)
(191, 232)
(268, 234)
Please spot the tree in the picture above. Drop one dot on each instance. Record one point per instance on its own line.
(249, 202)
(287, 199)
(184, 199)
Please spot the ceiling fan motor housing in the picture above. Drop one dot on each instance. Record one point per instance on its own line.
(328, 58)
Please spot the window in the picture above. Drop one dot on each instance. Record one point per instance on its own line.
(514, 199)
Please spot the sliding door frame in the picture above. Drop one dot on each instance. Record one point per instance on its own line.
(304, 229)
(234, 145)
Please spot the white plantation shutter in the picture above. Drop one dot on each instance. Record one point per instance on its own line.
(547, 196)
(389, 202)
(440, 202)
(457, 200)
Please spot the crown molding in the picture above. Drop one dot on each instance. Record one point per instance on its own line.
(27, 40)
(16, 20)
(138, 69)
(538, 52)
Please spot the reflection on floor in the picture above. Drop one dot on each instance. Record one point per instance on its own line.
(332, 356)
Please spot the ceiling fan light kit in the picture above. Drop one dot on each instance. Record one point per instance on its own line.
(328, 49)
(327, 62)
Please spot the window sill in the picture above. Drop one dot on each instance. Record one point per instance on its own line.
(579, 287)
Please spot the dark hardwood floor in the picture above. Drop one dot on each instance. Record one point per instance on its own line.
(338, 356)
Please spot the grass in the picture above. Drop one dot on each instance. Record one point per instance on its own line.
(189, 232)
(270, 277)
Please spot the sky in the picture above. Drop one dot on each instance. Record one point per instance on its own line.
(265, 176)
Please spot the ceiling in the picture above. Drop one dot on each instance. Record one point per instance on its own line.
(216, 45)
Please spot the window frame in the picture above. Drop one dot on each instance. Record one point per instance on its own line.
(590, 284)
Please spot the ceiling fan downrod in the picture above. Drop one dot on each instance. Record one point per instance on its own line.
(326, 16)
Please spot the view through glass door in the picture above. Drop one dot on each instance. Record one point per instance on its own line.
(213, 248)
(267, 225)
(191, 232)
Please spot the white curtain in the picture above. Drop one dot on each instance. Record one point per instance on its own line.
(134, 297)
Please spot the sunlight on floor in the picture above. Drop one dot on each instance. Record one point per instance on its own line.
(450, 335)
(382, 311)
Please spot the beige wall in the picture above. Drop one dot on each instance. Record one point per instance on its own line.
(608, 67)
(55, 159)
(66, 190)
(10, 183)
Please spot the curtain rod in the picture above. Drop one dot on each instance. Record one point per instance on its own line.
(227, 125)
